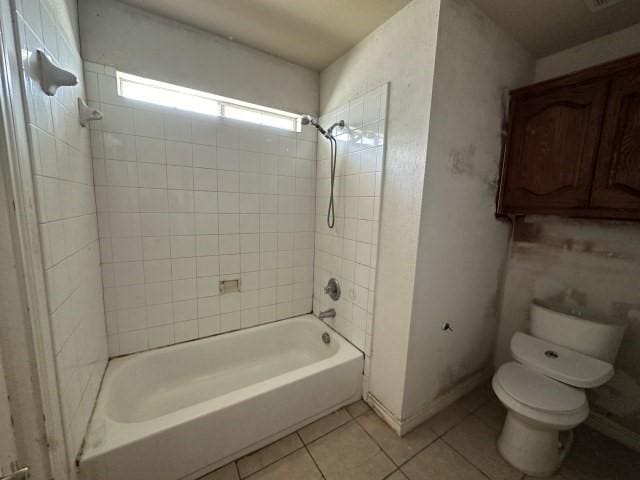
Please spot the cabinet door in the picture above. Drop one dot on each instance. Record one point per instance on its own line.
(552, 148)
(617, 180)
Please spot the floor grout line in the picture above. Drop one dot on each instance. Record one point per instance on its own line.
(466, 416)
(314, 461)
(351, 419)
(304, 445)
(466, 459)
(269, 464)
(377, 445)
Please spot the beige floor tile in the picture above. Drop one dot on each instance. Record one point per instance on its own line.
(324, 425)
(268, 455)
(476, 442)
(448, 418)
(440, 461)
(492, 413)
(397, 475)
(400, 449)
(349, 454)
(358, 408)
(477, 397)
(228, 472)
(596, 457)
(297, 466)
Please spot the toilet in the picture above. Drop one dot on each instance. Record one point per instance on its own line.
(543, 388)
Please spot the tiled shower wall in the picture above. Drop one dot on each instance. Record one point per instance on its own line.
(349, 251)
(186, 200)
(63, 180)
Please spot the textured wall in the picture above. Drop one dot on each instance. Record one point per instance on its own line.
(462, 246)
(401, 52)
(141, 43)
(615, 45)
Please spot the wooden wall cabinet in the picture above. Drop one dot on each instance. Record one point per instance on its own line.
(574, 145)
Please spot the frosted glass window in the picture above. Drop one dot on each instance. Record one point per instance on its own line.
(183, 98)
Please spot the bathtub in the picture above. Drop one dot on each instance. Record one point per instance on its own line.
(184, 410)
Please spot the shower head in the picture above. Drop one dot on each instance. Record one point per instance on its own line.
(309, 120)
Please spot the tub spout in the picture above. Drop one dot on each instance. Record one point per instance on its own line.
(331, 313)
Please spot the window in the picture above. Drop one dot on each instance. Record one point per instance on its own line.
(174, 96)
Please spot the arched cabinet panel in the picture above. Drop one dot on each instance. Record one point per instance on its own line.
(574, 145)
(617, 180)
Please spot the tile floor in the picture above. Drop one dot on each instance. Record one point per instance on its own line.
(457, 444)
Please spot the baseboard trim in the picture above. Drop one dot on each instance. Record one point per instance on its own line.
(614, 430)
(405, 425)
(384, 413)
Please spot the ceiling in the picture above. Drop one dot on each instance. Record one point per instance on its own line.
(548, 26)
(303, 32)
(312, 33)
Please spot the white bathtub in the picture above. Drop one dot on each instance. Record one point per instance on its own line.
(181, 411)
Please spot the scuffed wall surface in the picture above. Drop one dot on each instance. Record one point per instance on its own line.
(594, 265)
(141, 43)
(462, 246)
(401, 52)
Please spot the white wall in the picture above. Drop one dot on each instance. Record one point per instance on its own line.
(186, 200)
(349, 251)
(612, 46)
(63, 179)
(141, 43)
(462, 246)
(401, 52)
(595, 264)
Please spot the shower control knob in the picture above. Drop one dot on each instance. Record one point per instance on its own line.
(333, 289)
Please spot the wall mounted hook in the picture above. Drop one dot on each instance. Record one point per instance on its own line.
(87, 114)
(51, 76)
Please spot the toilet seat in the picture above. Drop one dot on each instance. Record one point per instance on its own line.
(539, 398)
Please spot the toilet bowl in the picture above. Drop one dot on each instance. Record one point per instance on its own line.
(539, 410)
(543, 391)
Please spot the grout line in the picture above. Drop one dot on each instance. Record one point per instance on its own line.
(384, 452)
(465, 458)
(269, 464)
(397, 470)
(311, 456)
(438, 437)
(327, 432)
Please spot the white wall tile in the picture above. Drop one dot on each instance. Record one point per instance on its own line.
(186, 200)
(66, 205)
(348, 252)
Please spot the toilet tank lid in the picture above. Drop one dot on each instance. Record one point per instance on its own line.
(560, 363)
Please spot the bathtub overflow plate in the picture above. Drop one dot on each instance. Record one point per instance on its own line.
(326, 338)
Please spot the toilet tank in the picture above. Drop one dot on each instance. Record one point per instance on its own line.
(557, 324)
